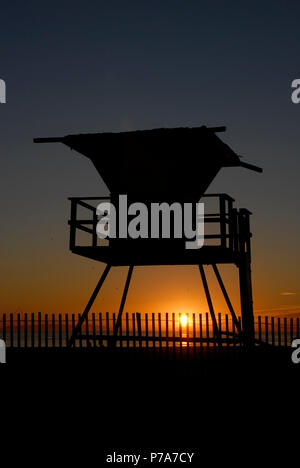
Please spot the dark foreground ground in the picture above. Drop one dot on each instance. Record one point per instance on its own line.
(233, 407)
(173, 362)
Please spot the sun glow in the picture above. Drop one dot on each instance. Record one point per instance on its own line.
(183, 320)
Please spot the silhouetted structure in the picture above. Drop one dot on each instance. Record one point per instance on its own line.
(165, 165)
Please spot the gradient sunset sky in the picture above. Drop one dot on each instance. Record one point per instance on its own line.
(96, 66)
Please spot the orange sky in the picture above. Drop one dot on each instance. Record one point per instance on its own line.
(40, 274)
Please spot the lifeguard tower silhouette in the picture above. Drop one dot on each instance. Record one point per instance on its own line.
(165, 165)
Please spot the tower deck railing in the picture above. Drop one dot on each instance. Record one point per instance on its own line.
(224, 225)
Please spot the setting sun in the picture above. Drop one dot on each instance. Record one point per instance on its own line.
(183, 320)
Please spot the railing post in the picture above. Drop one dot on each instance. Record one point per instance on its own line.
(234, 230)
(230, 224)
(73, 224)
(95, 220)
(222, 220)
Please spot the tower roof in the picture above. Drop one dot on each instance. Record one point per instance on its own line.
(173, 163)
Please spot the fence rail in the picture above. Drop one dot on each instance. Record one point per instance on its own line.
(137, 330)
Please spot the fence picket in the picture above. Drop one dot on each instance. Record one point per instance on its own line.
(153, 330)
(46, 330)
(32, 331)
(220, 328)
(25, 330)
(272, 330)
(39, 329)
(133, 329)
(139, 327)
(285, 331)
(94, 329)
(180, 332)
(100, 329)
(194, 331)
(66, 329)
(266, 330)
(18, 331)
(87, 332)
(159, 330)
(173, 330)
(53, 331)
(121, 333)
(207, 329)
(259, 328)
(59, 331)
(146, 330)
(11, 330)
(127, 329)
(227, 329)
(4, 327)
(73, 327)
(201, 331)
(167, 330)
(114, 323)
(107, 329)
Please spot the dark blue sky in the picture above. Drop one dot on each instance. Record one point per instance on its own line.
(85, 66)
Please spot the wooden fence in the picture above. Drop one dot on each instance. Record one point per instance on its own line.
(137, 330)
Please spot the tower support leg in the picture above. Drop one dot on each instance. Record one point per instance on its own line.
(88, 306)
(210, 304)
(246, 300)
(228, 302)
(124, 296)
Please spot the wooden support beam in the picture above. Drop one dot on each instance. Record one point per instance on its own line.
(88, 306)
(209, 302)
(228, 302)
(126, 287)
